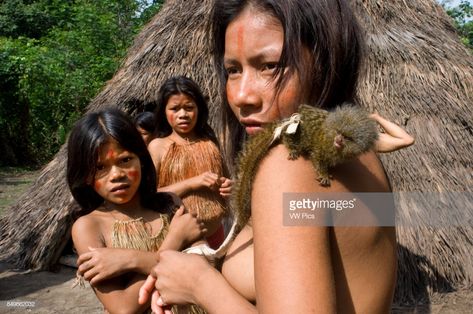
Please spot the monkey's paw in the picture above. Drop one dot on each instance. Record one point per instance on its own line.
(324, 180)
(293, 155)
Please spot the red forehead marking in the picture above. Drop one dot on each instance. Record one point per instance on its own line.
(240, 32)
(110, 153)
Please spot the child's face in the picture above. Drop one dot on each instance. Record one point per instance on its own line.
(118, 174)
(253, 47)
(181, 113)
(147, 136)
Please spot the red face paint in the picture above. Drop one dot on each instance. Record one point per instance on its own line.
(110, 154)
(97, 185)
(240, 32)
(133, 174)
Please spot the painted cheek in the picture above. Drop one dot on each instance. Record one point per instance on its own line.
(171, 119)
(288, 100)
(97, 185)
(230, 94)
(133, 174)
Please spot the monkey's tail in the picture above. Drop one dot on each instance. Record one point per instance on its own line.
(254, 150)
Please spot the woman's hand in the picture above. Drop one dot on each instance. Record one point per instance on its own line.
(179, 277)
(225, 189)
(103, 263)
(157, 304)
(393, 138)
(186, 227)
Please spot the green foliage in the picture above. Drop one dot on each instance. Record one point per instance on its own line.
(462, 16)
(55, 56)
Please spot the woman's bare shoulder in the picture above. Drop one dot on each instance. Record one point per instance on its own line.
(364, 173)
(291, 175)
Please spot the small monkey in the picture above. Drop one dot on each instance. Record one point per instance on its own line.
(325, 138)
(330, 138)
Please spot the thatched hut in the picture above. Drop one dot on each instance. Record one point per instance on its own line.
(418, 74)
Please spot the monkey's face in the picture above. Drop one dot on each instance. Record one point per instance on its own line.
(350, 131)
(253, 47)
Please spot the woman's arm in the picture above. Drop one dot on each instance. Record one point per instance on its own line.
(394, 137)
(188, 278)
(296, 266)
(293, 267)
(117, 295)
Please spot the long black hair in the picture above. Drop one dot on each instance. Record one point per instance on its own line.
(183, 85)
(327, 29)
(88, 135)
(146, 121)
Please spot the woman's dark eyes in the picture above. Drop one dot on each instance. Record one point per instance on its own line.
(270, 66)
(231, 70)
(126, 159)
(100, 167)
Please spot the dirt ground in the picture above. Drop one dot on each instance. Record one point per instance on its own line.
(47, 292)
(37, 292)
(52, 292)
(13, 182)
(44, 292)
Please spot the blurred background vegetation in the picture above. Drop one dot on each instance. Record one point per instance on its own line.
(55, 56)
(462, 14)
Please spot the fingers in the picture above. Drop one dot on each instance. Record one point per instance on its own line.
(225, 191)
(90, 276)
(83, 258)
(154, 303)
(225, 182)
(146, 290)
(180, 211)
(95, 279)
(210, 180)
(226, 187)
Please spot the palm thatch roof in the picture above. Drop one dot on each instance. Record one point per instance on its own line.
(418, 75)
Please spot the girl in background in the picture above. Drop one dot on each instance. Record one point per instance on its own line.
(123, 221)
(186, 154)
(145, 124)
